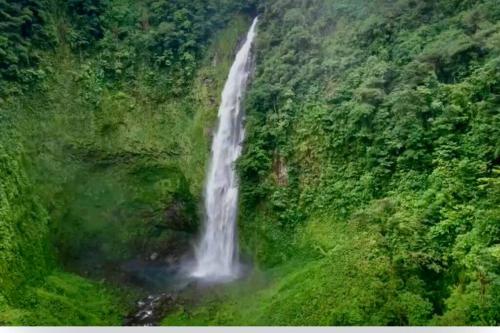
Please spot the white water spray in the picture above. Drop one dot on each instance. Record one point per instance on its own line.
(217, 252)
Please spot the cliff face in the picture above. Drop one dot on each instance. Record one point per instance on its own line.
(106, 124)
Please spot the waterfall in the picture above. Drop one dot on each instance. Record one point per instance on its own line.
(217, 252)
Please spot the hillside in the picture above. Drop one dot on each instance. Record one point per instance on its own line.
(369, 180)
(370, 187)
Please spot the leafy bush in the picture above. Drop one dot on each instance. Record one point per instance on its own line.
(22, 32)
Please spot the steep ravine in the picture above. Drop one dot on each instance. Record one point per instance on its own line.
(110, 176)
(369, 187)
(216, 258)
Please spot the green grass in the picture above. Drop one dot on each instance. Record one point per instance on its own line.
(64, 299)
(345, 280)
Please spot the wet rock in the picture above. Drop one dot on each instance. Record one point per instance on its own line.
(208, 81)
(153, 256)
(171, 260)
(150, 310)
(175, 216)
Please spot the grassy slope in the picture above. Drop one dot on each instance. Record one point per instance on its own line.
(101, 164)
(33, 291)
(314, 290)
(64, 299)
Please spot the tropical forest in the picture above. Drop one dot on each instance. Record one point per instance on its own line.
(249, 163)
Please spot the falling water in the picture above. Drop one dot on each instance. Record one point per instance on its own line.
(217, 252)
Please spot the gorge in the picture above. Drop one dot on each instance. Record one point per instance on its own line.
(347, 149)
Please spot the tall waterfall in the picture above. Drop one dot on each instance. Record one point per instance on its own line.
(217, 252)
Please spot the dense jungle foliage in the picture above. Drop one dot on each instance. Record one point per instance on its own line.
(370, 178)
(370, 188)
(106, 113)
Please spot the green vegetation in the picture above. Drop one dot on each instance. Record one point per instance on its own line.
(104, 138)
(370, 188)
(370, 174)
(22, 38)
(65, 299)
